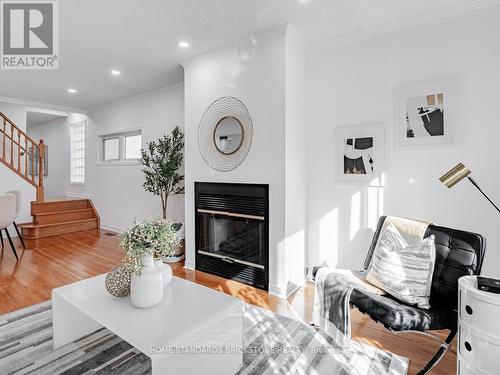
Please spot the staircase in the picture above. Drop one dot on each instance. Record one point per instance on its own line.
(22, 155)
(51, 217)
(60, 216)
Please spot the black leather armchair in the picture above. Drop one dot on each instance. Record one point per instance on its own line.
(458, 253)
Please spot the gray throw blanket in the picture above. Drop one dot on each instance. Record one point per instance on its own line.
(333, 288)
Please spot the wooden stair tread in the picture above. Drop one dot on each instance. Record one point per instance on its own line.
(55, 201)
(63, 212)
(59, 206)
(32, 225)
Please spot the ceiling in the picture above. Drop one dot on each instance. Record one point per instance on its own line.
(140, 39)
(37, 118)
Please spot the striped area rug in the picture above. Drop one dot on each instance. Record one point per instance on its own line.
(275, 345)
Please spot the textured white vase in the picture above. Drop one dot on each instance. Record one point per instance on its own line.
(166, 271)
(146, 290)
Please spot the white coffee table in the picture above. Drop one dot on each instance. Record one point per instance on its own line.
(178, 334)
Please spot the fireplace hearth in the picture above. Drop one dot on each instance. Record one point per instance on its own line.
(232, 231)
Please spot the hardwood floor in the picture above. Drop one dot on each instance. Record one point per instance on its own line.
(54, 261)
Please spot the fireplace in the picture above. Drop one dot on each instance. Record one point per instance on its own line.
(232, 231)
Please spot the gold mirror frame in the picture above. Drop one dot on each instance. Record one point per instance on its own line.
(241, 139)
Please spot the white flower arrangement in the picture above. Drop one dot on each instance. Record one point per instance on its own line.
(154, 237)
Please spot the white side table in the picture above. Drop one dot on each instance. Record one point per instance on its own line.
(478, 329)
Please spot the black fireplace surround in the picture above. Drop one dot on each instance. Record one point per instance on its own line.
(232, 231)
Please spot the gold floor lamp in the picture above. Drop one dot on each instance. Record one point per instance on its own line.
(457, 174)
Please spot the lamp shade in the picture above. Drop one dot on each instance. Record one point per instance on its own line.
(455, 175)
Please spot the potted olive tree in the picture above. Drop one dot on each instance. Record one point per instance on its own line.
(163, 160)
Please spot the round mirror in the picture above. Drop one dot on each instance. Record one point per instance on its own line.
(228, 135)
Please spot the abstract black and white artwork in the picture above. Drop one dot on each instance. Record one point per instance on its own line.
(360, 154)
(427, 114)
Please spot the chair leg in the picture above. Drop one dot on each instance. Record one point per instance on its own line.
(1, 239)
(11, 244)
(440, 353)
(19, 235)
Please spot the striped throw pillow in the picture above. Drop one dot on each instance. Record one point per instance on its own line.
(404, 271)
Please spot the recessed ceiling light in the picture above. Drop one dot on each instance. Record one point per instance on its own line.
(183, 44)
(72, 91)
(116, 72)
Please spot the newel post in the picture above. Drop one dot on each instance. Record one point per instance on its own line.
(41, 155)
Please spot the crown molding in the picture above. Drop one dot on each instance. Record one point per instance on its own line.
(262, 33)
(138, 96)
(435, 17)
(42, 107)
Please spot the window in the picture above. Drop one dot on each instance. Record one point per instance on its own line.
(133, 146)
(78, 153)
(120, 147)
(111, 149)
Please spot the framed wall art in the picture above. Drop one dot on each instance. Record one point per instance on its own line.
(360, 154)
(426, 114)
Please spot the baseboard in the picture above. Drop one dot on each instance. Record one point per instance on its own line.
(112, 228)
(277, 291)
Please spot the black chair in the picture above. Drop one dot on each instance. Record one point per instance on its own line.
(458, 253)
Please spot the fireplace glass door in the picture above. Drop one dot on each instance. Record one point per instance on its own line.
(232, 237)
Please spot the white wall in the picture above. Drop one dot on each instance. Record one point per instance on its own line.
(355, 86)
(252, 70)
(348, 86)
(267, 72)
(8, 179)
(295, 157)
(116, 190)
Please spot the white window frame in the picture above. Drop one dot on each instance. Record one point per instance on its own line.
(121, 134)
(73, 132)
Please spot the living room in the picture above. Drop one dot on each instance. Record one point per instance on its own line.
(263, 152)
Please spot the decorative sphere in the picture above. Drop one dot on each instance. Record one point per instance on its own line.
(118, 280)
